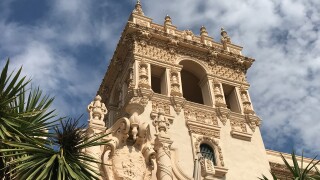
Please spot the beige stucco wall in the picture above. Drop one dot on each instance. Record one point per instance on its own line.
(245, 160)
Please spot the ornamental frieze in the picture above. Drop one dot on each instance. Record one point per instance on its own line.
(227, 72)
(156, 52)
(200, 116)
(238, 125)
(195, 129)
(160, 104)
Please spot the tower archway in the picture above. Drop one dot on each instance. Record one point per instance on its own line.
(193, 81)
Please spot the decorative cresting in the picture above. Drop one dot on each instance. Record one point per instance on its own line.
(221, 108)
(252, 119)
(207, 168)
(162, 145)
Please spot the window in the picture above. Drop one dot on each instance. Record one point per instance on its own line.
(208, 153)
(194, 83)
(190, 87)
(158, 80)
(231, 97)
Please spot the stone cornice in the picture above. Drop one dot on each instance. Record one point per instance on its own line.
(178, 42)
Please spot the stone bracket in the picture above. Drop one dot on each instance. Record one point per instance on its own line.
(241, 135)
(253, 121)
(177, 103)
(223, 114)
(220, 171)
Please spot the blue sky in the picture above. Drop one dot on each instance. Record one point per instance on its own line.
(65, 47)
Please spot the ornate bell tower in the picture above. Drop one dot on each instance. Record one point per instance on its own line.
(178, 107)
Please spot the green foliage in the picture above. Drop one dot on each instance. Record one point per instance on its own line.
(35, 160)
(27, 148)
(310, 172)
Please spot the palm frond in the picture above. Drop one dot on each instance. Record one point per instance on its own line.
(35, 160)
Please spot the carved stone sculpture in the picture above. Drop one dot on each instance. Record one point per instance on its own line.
(224, 37)
(97, 110)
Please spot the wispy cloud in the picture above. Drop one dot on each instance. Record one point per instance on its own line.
(66, 52)
(283, 37)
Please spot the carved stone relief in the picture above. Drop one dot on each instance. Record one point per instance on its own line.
(160, 104)
(126, 157)
(175, 85)
(200, 116)
(187, 34)
(177, 103)
(238, 125)
(129, 164)
(159, 53)
(162, 145)
(143, 75)
(196, 129)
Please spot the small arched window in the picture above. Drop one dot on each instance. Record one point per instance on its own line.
(208, 153)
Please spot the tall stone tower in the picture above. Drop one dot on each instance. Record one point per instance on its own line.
(178, 107)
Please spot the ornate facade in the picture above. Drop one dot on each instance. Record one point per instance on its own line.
(176, 106)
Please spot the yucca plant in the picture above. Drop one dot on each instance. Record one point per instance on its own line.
(23, 113)
(64, 158)
(310, 172)
(32, 144)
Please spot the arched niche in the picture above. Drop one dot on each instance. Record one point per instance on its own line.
(207, 152)
(195, 86)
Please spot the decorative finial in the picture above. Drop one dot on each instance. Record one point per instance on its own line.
(138, 8)
(203, 31)
(97, 110)
(167, 20)
(224, 37)
(223, 32)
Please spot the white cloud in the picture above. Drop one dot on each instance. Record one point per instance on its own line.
(283, 36)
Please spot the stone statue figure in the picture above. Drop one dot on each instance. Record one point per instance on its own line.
(97, 109)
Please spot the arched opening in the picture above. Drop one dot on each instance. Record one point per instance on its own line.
(194, 84)
(208, 153)
(190, 87)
